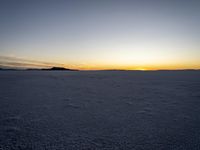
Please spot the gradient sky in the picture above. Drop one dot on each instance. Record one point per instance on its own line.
(100, 34)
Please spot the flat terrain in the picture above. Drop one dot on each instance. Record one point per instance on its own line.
(99, 110)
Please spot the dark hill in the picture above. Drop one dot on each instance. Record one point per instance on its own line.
(60, 69)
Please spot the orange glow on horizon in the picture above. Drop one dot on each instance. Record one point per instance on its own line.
(132, 67)
(102, 64)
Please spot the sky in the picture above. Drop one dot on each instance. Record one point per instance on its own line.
(100, 34)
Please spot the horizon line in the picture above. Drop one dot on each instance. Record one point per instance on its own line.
(11, 62)
(68, 69)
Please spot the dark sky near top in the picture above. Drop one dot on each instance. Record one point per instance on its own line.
(81, 32)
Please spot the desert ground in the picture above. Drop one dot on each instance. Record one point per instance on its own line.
(99, 110)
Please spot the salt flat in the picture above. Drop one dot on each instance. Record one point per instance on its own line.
(100, 110)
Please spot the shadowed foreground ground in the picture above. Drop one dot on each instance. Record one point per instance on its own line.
(105, 110)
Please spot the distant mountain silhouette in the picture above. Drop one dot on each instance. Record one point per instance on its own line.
(39, 69)
(7, 69)
(59, 69)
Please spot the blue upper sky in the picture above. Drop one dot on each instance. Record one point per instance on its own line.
(101, 34)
